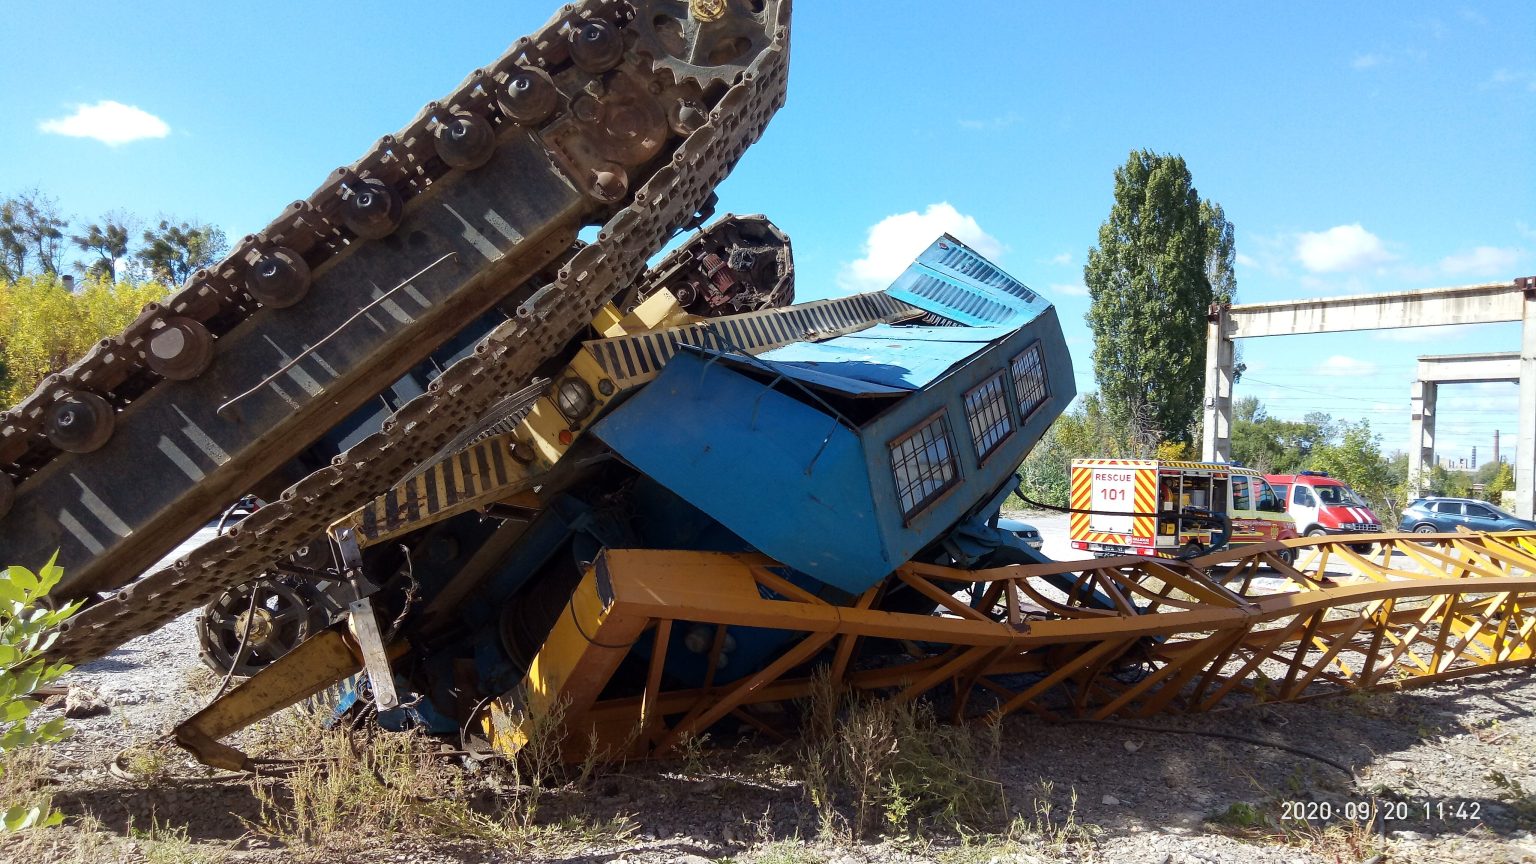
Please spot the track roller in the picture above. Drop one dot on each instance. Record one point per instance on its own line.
(180, 351)
(280, 278)
(373, 210)
(465, 141)
(529, 97)
(79, 423)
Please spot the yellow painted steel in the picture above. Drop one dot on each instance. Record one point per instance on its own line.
(1128, 636)
(491, 471)
(316, 664)
(461, 482)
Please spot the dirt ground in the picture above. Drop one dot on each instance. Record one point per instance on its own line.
(1439, 774)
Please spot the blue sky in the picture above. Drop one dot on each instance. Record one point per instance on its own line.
(1355, 147)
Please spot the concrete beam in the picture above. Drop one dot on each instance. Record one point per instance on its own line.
(1525, 446)
(1447, 369)
(1470, 368)
(1421, 435)
(1216, 439)
(1464, 304)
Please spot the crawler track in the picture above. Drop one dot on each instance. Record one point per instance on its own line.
(735, 104)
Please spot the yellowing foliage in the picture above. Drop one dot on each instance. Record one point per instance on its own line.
(44, 327)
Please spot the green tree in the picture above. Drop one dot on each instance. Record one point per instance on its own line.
(172, 252)
(1163, 257)
(1271, 445)
(1356, 459)
(1088, 431)
(1503, 480)
(44, 328)
(107, 240)
(1220, 253)
(27, 629)
(31, 234)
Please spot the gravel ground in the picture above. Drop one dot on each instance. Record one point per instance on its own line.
(1452, 766)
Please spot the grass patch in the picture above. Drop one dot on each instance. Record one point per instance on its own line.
(1050, 822)
(163, 844)
(150, 764)
(360, 786)
(884, 765)
(1522, 803)
(24, 780)
(364, 787)
(1239, 816)
(782, 852)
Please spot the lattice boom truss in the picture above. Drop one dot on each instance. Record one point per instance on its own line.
(1112, 637)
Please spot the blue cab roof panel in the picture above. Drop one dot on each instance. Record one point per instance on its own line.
(950, 280)
(891, 360)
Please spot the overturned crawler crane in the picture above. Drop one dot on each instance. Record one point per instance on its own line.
(657, 500)
(699, 519)
(821, 445)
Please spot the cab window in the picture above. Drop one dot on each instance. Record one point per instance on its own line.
(1331, 494)
(1267, 499)
(1241, 500)
(1480, 511)
(1303, 497)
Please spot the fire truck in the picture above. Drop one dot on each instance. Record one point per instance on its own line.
(1167, 508)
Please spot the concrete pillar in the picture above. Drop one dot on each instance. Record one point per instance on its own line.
(1421, 435)
(1216, 442)
(1525, 447)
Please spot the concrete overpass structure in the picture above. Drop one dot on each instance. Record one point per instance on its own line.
(1449, 369)
(1465, 304)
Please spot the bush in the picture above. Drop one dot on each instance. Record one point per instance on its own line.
(27, 629)
(867, 761)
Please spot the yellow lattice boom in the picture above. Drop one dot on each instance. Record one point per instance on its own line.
(1127, 636)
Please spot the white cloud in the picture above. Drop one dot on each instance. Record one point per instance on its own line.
(1069, 289)
(1482, 261)
(895, 240)
(1516, 77)
(1001, 121)
(1340, 248)
(1064, 259)
(1340, 366)
(111, 123)
(1366, 61)
(1246, 260)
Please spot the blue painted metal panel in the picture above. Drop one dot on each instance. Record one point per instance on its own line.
(902, 358)
(782, 475)
(904, 537)
(951, 280)
(814, 494)
(800, 372)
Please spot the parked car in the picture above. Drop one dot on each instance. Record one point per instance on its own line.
(1438, 515)
(1322, 505)
(1023, 531)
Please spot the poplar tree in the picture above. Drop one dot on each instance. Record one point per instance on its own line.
(1163, 257)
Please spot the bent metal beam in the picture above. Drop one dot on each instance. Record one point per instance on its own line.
(1463, 304)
